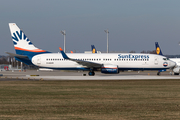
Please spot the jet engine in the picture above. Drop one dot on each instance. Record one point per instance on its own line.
(110, 69)
(176, 70)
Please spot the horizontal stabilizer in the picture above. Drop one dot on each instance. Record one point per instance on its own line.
(17, 55)
(21, 58)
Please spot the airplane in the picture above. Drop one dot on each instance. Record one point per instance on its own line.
(93, 49)
(176, 69)
(109, 63)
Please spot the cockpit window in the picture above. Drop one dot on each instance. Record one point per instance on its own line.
(165, 58)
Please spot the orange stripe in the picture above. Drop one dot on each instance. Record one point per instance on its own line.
(35, 50)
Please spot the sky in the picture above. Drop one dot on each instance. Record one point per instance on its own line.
(133, 24)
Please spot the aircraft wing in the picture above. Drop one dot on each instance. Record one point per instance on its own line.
(17, 55)
(87, 63)
(81, 62)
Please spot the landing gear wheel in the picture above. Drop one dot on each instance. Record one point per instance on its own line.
(91, 73)
(158, 73)
(176, 73)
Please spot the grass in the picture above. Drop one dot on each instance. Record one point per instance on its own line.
(90, 100)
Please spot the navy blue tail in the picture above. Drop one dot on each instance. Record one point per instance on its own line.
(158, 49)
(93, 49)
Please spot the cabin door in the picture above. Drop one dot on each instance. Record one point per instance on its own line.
(39, 60)
(156, 60)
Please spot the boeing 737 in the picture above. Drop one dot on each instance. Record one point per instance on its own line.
(106, 62)
(176, 69)
(94, 49)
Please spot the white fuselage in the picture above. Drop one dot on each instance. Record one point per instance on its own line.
(124, 61)
(176, 60)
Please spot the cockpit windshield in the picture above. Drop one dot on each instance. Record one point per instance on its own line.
(165, 58)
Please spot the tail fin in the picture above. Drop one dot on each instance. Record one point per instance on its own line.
(93, 49)
(22, 44)
(158, 50)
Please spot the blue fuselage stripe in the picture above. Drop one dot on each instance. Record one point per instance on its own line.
(87, 69)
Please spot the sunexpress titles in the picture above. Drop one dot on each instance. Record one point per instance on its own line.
(130, 56)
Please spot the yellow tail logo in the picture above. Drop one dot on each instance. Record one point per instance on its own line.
(93, 51)
(158, 50)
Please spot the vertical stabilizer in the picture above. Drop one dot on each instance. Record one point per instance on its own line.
(93, 49)
(22, 44)
(158, 49)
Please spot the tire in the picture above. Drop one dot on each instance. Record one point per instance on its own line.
(176, 73)
(91, 73)
(158, 73)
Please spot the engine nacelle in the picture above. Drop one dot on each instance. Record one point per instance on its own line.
(176, 70)
(110, 69)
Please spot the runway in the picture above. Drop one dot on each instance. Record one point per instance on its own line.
(75, 75)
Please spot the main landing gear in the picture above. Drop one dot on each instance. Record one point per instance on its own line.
(91, 73)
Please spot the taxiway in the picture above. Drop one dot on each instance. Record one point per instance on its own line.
(75, 75)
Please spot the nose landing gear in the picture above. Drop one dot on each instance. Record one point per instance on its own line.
(158, 73)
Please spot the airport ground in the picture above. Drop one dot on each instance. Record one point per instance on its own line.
(123, 99)
(83, 75)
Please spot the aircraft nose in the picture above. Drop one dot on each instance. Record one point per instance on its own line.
(173, 64)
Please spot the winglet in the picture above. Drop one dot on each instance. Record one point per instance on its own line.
(158, 49)
(60, 49)
(63, 54)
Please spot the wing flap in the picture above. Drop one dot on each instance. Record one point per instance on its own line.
(87, 63)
